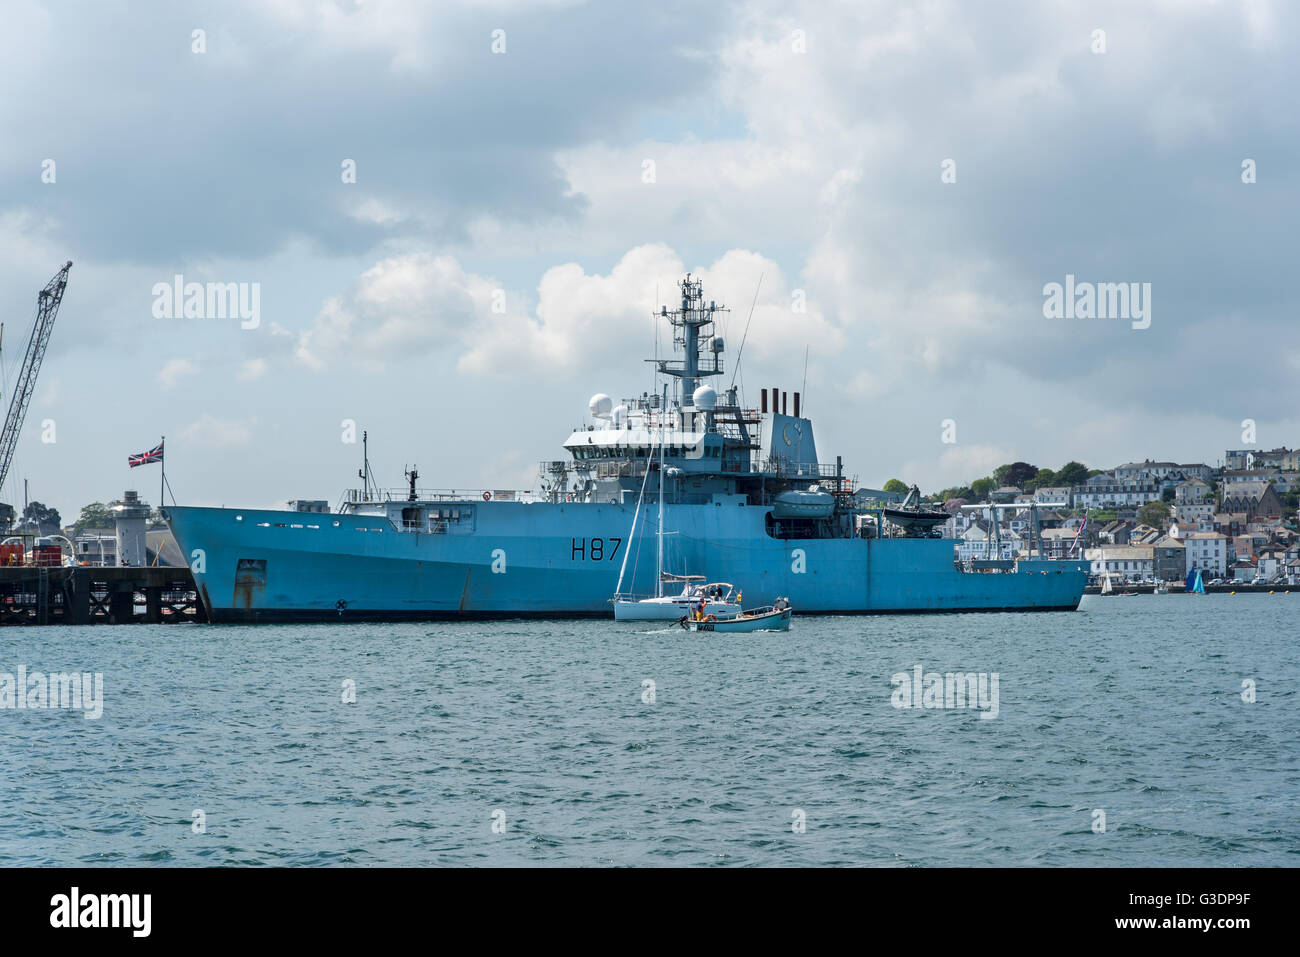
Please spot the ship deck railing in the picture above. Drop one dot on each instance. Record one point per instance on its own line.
(426, 495)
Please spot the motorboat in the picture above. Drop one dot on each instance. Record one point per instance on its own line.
(775, 617)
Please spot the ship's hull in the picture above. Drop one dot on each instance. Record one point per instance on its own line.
(557, 560)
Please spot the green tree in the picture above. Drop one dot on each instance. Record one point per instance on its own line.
(1017, 473)
(895, 485)
(46, 519)
(959, 491)
(94, 515)
(1043, 478)
(7, 515)
(1073, 473)
(981, 488)
(1155, 514)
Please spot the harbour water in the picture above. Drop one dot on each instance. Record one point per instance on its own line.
(549, 731)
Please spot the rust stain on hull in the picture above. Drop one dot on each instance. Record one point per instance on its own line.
(464, 592)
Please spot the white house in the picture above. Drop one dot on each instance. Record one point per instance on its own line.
(1195, 515)
(1122, 561)
(977, 542)
(1207, 551)
(1106, 491)
(1191, 492)
(1061, 493)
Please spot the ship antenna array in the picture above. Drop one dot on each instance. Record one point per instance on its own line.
(741, 351)
(47, 307)
(364, 473)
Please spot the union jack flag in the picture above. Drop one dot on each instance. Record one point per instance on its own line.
(1077, 536)
(144, 458)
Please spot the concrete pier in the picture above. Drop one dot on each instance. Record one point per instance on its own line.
(84, 595)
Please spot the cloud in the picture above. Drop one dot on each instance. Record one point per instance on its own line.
(174, 370)
(252, 369)
(417, 304)
(401, 307)
(500, 232)
(442, 130)
(212, 432)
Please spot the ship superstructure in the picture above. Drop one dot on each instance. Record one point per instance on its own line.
(745, 496)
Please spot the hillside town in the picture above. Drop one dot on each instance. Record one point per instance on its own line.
(1140, 522)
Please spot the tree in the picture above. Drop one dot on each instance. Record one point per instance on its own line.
(1155, 514)
(1017, 473)
(47, 520)
(1167, 495)
(980, 488)
(7, 515)
(1043, 478)
(94, 515)
(1073, 473)
(895, 485)
(960, 491)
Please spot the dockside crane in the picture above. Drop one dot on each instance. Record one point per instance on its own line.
(47, 307)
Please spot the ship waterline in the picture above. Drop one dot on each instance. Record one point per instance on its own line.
(562, 560)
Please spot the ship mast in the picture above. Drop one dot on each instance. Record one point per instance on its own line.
(659, 543)
(695, 320)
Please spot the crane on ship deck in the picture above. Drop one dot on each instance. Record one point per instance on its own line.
(47, 307)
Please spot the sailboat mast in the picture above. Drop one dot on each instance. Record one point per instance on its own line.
(659, 545)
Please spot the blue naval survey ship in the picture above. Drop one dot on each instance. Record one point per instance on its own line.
(744, 500)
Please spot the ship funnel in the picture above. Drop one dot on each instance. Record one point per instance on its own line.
(601, 406)
(705, 398)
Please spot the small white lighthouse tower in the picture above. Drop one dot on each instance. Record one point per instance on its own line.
(130, 515)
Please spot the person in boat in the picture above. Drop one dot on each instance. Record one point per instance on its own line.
(780, 605)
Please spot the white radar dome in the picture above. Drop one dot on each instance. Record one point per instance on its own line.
(619, 416)
(705, 398)
(600, 405)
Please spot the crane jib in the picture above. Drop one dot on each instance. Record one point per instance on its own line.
(47, 306)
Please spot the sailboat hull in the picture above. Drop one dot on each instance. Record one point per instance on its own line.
(667, 609)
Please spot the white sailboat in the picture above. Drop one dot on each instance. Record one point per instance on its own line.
(720, 598)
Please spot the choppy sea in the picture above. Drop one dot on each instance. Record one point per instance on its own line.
(1142, 731)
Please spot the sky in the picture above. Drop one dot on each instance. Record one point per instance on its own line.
(898, 182)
